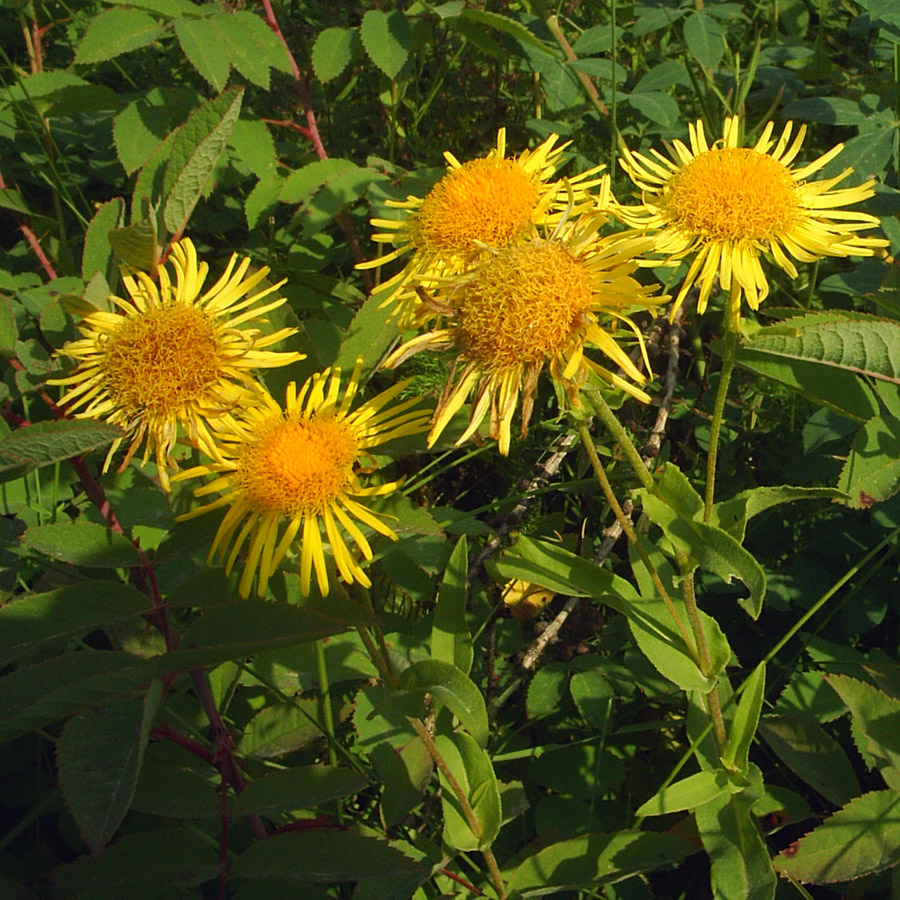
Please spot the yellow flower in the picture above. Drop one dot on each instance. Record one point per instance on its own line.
(727, 204)
(300, 468)
(535, 302)
(172, 357)
(484, 203)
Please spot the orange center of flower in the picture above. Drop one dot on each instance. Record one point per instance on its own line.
(162, 360)
(523, 305)
(298, 467)
(733, 194)
(487, 200)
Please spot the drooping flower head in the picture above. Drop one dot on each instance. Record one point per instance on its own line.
(727, 204)
(172, 357)
(484, 203)
(535, 303)
(284, 474)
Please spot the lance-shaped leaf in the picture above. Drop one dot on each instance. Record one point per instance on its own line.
(474, 774)
(861, 839)
(49, 442)
(84, 544)
(746, 718)
(811, 753)
(689, 793)
(33, 618)
(733, 514)
(676, 509)
(300, 787)
(450, 638)
(595, 859)
(194, 153)
(657, 635)
(454, 689)
(97, 254)
(740, 865)
(99, 754)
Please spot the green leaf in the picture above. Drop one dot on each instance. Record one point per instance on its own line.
(137, 131)
(595, 859)
(657, 107)
(658, 637)
(810, 752)
(252, 144)
(97, 255)
(114, 32)
(9, 332)
(503, 24)
(136, 245)
(203, 46)
(61, 93)
(369, 334)
(195, 151)
(174, 792)
(871, 472)
(689, 793)
(99, 755)
(246, 627)
(252, 46)
(280, 728)
(861, 839)
(712, 548)
(323, 856)
(343, 189)
(865, 345)
(35, 696)
(739, 859)
(876, 716)
(593, 696)
(704, 38)
(472, 769)
(142, 865)
(387, 38)
(332, 52)
(733, 514)
(32, 618)
(746, 718)
(300, 787)
(172, 9)
(49, 442)
(454, 689)
(450, 638)
(552, 566)
(83, 544)
(301, 184)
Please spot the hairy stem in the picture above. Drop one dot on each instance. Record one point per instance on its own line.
(718, 414)
(465, 806)
(627, 527)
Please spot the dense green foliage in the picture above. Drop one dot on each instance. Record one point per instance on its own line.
(423, 738)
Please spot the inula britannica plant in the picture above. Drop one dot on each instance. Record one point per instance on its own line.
(449, 450)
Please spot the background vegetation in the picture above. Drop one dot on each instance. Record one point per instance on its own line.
(245, 763)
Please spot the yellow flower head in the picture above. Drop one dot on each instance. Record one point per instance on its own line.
(536, 302)
(172, 357)
(727, 204)
(484, 203)
(285, 473)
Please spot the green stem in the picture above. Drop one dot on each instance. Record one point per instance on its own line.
(627, 527)
(462, 796)
(714, 704)
(326, 712)
(614, 427)
(728, 358)
(387, 675)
